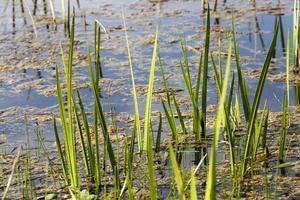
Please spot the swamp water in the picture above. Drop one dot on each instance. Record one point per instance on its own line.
(30, 48)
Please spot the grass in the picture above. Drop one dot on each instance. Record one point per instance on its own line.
(135, 100)
(210, 192)
(136, 162)
(147, 131)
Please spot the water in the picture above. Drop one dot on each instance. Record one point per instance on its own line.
(27, 61)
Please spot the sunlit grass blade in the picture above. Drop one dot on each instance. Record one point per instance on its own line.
(177, 173)
(147, 125)
(10, 178)
(193, 187)
(195, 171)
(149, 96)
(135, 100)
(210, 191)
(257, 133)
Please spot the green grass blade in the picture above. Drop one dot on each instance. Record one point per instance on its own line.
(283, 131)
(147, 125)
(210, 191)
(158, 137)
(81, 137)
(171, 120)
(60, 152)
(149, 95)
(205, 72)
(193, 189)
(179, 115)
(256, 101)
(244, 94)
(101, 116)
(177, 173)
(288, 68)
(91, 154)
(135, 100)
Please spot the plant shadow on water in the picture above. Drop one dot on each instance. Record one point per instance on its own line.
(204, 75)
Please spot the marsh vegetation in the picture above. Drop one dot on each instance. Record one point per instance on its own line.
(150, 100)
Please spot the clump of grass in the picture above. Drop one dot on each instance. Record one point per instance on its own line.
(69, 157)
(252, 121)
(210, 191)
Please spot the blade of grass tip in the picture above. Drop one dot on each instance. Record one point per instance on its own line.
(135, 100)
(210, 191)
(296, 31)
(52, 11)
(205, 72)
(186, 72)
(32, 19)
(245, 100)
(177, 173)
(256, 101)
(10, 178)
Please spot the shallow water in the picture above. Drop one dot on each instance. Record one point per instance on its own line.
(27, 59)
